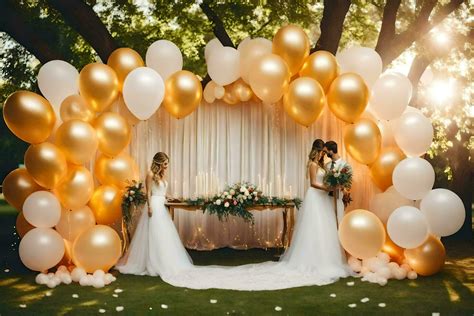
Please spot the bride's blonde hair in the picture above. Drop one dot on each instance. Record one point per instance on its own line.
(157, 166)
(317, 147)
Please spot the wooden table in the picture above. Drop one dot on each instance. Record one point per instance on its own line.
(288, 221)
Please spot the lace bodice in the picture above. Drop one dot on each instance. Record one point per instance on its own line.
(159, 189)
(319, 175)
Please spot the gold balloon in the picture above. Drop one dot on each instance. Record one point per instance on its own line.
(229, 96)
(321, 66)
(73, 223)
(124, 60)
(361, 234)
(183, 93)
(77, 140)
(241, 90)
(106, 204)
(76, 189)
(269, 78)
(428, 258)
(46, 164)
(291, 43)
(113, 133)
(125, 112)
(97, 248)
(348, 96)
(304, 100)
(74, 107)
(17, 186)
(382, 169)
(29, 116)
(118, 171)
(363, 141)
(393, 250)
(98, 85)
(22, 226)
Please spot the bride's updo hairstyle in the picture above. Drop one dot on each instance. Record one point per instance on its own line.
(157, 166)
(317, 147)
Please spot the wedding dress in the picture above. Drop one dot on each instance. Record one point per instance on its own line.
(314, 257)
(156, 248)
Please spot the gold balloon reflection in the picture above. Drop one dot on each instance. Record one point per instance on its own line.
(363, 141)
(46, 164)
(382, 168)
(78, 141)
(292, 44)
(17, 186)
(98, 85)
(321, 66)
(74, 107)
(123, 61)
(76, 189)
(428, 258)
(183, 93)
(106, 204)
(118, 171)
(113, 133)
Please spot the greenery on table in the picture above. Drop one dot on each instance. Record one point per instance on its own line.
(236, 200)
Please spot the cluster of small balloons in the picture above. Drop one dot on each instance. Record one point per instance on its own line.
(65, 275)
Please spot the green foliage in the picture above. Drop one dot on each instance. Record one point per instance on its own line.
(133, 198)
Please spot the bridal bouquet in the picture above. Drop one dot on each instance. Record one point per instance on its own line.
(133, 197)
(340, 176)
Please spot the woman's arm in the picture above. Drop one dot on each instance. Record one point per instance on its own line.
(148, 182)
(313, 171)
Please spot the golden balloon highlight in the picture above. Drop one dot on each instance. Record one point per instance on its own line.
(229, 96)
(117, 171)
(292, 44)
(97, 248)
(113, 133)
(381, 170)
(321, 66)
(304, 100)
(77, 140)
(76, 189)
(74, 107)
(428, 258)
(29, 116)
(269, 78)
(123, 61)
(393, 250)
(73, 223)
(17, 186)
(183, 93)
(98, 85)
(46, 164)
(348, 96)
(362, 234)
(22, 226)
(106, 204)
(363, 141)
(241, 91)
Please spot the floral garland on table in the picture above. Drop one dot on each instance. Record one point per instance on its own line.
(235, 200)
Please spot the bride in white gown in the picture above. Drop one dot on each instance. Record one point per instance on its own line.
(314, 257)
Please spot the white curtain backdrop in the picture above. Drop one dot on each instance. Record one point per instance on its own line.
(246, 142)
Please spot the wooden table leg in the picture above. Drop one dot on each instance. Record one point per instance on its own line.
(285, 228)
(292, 225)
(172, 212)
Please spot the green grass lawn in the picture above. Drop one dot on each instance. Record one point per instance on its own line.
(449, 292)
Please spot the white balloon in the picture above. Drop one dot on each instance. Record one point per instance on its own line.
(413, 133)
(383, 204)
(413, 177)
(444, 211)
(223, 65)
(243, 43)
(407, 227)
(390, 96)
(57, 80)
(41, 249)
(211, 46)
(165, 57)
(388, 137)
(42, 209)
(364, 61)
(251, 52)
(77, 273)
(143, 92)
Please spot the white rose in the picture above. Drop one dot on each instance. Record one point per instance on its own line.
(232, 192)
(242, 189)
(137, 186)
(226, 204)
(229, 196)
(218, 202)
(132, 192)
(226, 193)
(249, 197)
(246, 193)
(130, 198)
(337, 174)
(255, 193)
(256, 198)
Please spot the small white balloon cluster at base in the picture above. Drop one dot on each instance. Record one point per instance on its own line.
(379, 269)
(98, 279)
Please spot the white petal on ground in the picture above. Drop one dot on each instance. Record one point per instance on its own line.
(119, 308)
(365, 300)
(164, 306)
(75, 296)
(48, 293)
(352, 305)
(350, 283)
(118, 291)
(213, 301)
(101, 310)
(7, 270)
(115, 295)
(278, 308)
(23, 305)
(382, 304)
(332, 295)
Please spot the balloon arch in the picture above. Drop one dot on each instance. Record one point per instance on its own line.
(62, 212)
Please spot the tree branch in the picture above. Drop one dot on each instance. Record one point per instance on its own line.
(218, 27)
(387, 31)
(331, 25)
(14, 23)
(391, 49)
(85, 21)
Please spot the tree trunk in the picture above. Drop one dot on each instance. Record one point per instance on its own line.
(85, 21)
(331, 25)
